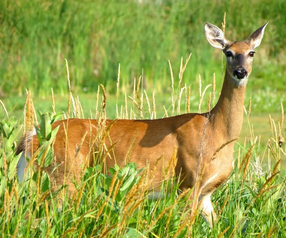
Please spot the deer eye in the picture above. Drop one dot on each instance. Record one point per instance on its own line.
(251, 53)
(229, 54)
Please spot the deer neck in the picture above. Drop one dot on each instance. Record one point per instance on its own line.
(227, 115)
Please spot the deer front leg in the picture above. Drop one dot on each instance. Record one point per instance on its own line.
(207, 209)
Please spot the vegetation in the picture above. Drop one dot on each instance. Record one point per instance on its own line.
(99, 37)
(251, 203)
(95, 37)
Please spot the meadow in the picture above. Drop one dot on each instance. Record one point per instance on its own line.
(251, 203)
(124, 59)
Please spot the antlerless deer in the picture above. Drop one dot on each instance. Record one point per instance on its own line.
(204, 142)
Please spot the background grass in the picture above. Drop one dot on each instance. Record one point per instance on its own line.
(96, 36)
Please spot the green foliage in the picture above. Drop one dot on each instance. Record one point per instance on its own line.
(9, 132)
(46, 136)
(118, 204)
(96, 36)
(128, 175)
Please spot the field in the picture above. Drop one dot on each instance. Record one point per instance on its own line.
(124, 59)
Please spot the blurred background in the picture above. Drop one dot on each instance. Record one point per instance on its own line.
(95, 36)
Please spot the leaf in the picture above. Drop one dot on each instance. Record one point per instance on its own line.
(2, 186)
(112, 171)
(47, 126)
(39, 135)
(127, 184)
(53, 134)
(132, 232)
(251, 191)
(46, 150)
(56, 117)
(45, 154)
(45, 186)
(13, 167)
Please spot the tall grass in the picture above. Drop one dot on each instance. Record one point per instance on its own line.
(251, 203)
(97, 36)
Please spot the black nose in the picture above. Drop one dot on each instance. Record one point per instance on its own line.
(240, 73)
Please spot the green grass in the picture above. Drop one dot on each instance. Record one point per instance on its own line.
(96, 36)
(251, 203)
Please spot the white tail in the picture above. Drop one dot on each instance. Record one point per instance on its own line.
(204, 142)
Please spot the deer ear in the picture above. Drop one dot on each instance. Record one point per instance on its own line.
(215, 36)
(256, 37)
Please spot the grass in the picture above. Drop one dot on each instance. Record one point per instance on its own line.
(97, 36)
(250, 203)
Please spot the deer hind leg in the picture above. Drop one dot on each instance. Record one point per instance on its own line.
(207, 209)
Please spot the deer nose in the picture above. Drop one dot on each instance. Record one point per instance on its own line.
(240, 73)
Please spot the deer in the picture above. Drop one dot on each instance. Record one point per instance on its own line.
(204, 142)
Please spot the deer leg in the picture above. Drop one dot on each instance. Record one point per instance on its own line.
(207, 209)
